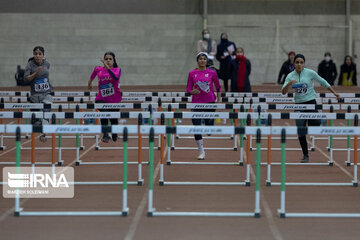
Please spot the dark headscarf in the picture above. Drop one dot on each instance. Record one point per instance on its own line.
(208, 50)
(224, 43)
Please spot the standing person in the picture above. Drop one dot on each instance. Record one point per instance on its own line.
(302, 81)
(37, 75)
(200, 85)
(109, 88)
(348, 73)
(240, 69)
(207, 45)
(225, 53)
(327, 69)
(286, 68)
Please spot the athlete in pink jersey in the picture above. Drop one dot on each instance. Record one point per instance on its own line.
(201, 86)
(109, 87)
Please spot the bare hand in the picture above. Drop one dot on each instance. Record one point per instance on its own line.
(39, 69)
(292, 82)
(105, 65)
(337, 96)
(195, 91)
(89, 85)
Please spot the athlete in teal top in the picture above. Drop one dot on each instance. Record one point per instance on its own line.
(304, 88)
(302, 81)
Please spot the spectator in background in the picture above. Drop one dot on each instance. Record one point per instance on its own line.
(225, 53)
(286, 68)
(207, 45)
(348, 73)
(240, 69)
(327, 69)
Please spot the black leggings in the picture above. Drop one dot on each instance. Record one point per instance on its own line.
(226, 84)
(197, 121)
(104, 121)
(309, 122)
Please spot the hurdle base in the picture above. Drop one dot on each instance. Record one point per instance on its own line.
(204, 214)
(247, 184)
(268, 184)
(207, 183)
(331, 164)
(16, 214)
(78, 163)
(348, 164)
(241, 163)
(140, 182)
(2, 148)
(172, 148)
(235, 148)
(168, 163)
(161, 183)
(82, 147)
(96, 148)
(125, 213)
(60, 162)
(355, 184)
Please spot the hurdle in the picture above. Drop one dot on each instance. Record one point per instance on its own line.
(221, 115)
(282, 212)
(152, 211)
(20, 211)
(318, 131)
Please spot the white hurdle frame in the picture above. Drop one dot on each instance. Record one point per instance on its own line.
(70, 129)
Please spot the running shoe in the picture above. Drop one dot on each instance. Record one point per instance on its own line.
(201, 156)
(305, 159)
(43, 137)
(114, 137)
(105, 138)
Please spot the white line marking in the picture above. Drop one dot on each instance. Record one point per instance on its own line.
(140, 210)
(268, 214)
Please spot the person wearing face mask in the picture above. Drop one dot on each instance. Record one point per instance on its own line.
(206, 44)
(240, 69)
(109, 88)
(348, 73)
(37, 75)
(200, 85)
(225, 53)
(286, 68)
(327, 69)
(301, 80)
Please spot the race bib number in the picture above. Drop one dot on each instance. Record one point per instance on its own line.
(204, 86)
(300, 89)
(107, 90)
(42, 85)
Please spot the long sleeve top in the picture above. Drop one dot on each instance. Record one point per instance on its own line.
(306, 77)
(202, 47)
(40, 85)
(204, 81)
(109, 84)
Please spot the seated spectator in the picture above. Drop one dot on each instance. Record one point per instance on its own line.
(348, 73)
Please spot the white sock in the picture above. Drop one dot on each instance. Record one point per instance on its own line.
(200, 144)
